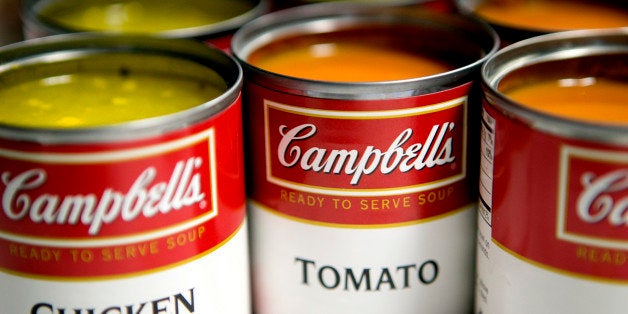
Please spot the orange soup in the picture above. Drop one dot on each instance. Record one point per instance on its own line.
(587, 99)
(553, 15)
(343, 61)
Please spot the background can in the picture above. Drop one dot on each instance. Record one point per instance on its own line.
(218, 33)
(536, 254)
(539, 17)
(318, 243)
(190, 256)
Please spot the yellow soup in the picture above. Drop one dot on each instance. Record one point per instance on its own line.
(345, 61)
(140, 16)
(552, 15)
(88, 99)
(586, 99)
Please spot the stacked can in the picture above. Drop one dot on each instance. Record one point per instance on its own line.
(122, 179)
(554, 190)
(362, 188)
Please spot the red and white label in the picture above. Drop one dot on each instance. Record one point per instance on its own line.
(554, 227)
(364, 204)
(116, 209)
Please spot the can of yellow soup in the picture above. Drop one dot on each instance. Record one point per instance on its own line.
(213, 22)
(361, 148)
(552, 234)
(121, 173)
(516, 20)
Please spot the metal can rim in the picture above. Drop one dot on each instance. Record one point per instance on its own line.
(318, 17)
(93, 44)
(554, 47)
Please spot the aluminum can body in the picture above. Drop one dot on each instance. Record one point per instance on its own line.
(552, 187)
(384, 228)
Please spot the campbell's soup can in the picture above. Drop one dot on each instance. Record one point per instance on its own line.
(362, 173)
(522, 19)
(122, 177)
(212, 22)
(552, 234)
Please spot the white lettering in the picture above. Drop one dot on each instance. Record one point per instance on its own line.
(436, 150)
(596, 202)
(182, 189)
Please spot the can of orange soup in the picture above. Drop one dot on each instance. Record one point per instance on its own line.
(121, 172)
(552, 232)
(362, 181)
(516, 20)
(213, 22)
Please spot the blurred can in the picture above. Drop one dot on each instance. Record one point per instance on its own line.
(362, 185)
(121, 177)
(515, 20)
(213, 21)
(552, 234)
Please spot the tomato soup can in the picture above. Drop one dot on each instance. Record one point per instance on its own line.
(554, 187)
(141, 216)
(213, 22)
(519, 20)
(361, 193)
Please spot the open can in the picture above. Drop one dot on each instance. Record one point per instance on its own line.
(213, 22)
(111, 204)
(515, 20)
(552, 234)
(362, 193)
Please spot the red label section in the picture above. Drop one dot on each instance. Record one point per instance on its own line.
(101, 210)
(361, 162)
(560, 202)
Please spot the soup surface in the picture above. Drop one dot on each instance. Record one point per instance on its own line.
(553, 15)
(588, 99)
(140, 16)
(345, 61)
(89, 99)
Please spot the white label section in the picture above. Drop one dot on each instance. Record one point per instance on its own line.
(514, 286)
(215, 283)
(307, 268)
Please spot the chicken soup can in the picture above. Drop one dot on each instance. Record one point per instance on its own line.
(213, 22)
(361, 192)
(552, 234)
(122, 180)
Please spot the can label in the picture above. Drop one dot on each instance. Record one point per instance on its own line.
(362, 184)
(554, 225)
(127, 216)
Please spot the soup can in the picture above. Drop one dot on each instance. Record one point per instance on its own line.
(361, 193)
(522, 19)
(554, 183)
(213, 22)
(124, 215)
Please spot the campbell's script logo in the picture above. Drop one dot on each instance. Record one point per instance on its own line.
(593, 202)
(357, 152)
(25, 197)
